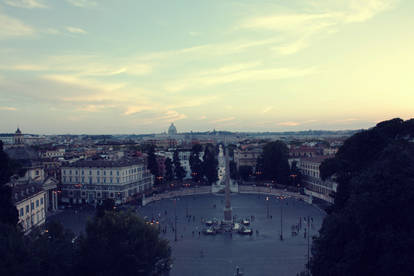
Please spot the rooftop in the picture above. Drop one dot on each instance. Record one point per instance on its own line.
(105, 163)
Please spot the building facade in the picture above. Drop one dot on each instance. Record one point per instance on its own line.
(30, 203)
(247, 157)
(92, 181)
(314, 185)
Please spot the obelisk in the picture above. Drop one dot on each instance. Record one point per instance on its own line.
(227, 208)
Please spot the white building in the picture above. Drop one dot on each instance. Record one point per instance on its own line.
(92, 181)
(30, 203)
(314, 185)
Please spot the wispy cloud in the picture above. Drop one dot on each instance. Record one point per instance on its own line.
(95, 108)
(75, 30)
(82, 3)
(326, 14)
(206, 80)
(8, 108)
(289, 123)
(137, 109)
(12, 27)
(227, 119)
(87, 83)
(267, 109)
(26, 4)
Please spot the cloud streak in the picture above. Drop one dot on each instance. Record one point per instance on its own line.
(11, 27)
(75, 30)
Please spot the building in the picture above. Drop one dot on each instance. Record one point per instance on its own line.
(18, 138)
(7, 138)
(30, 203)
(92, 181)
(314, 185)
(247, 157)
(172, 130)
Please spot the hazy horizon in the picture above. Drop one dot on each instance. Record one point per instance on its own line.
(99, 67)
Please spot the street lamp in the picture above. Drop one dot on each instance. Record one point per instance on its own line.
(267, 201)
(175, 219)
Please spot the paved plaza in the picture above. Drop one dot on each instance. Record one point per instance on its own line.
(194, 253)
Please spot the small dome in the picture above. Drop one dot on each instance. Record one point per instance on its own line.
(18, 131)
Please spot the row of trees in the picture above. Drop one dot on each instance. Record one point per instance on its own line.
(202, 169)
(115, 243)
(271, 165)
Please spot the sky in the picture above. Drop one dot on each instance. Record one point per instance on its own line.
(132, 66)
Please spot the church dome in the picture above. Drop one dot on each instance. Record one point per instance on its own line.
(172, 130)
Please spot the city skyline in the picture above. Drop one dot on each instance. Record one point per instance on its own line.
(103, 67)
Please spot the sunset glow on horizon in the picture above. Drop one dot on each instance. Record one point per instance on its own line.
(101, 67)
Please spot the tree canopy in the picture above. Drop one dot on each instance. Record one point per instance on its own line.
(196, 164)
(120, 243)
(179, 171)
(369, 228)
(273, 162)
(8, 212)
(210, 164)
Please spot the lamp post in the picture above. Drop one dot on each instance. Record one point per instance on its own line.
(281, 216)
(267, 200)
(175, 219)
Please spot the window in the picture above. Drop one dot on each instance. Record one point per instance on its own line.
(27, 208)
(97, 172)
(117, 173)
(32, 205)
(104, 172)
(70, 171)
(21, 212)
(41, 201)
(37, 172)
(37, 203)
(110, 173)
(83, 172)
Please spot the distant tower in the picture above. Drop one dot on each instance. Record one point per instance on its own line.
(172, 130)
(18, 138)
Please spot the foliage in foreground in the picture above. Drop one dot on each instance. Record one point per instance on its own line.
(369, 230)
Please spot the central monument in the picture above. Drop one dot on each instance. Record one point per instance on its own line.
(228, 220)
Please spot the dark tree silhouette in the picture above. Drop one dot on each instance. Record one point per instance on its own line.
(273, 162)
(210, 164)
(169, 173)
(369, 228)
(196, 164)
(179, 171)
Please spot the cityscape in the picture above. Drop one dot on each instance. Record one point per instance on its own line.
(206, 138)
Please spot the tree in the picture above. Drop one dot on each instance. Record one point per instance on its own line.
(179, 171)
(369, 228)
(120, 243)
(210, 164)
(234, 174)
(295, 175)
(8, 212)
(107, 205)
(245, 172)
(153, 165)
(169, 173)
(273, 162)
(196, 164)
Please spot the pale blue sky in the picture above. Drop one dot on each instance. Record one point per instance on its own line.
(83, 66)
